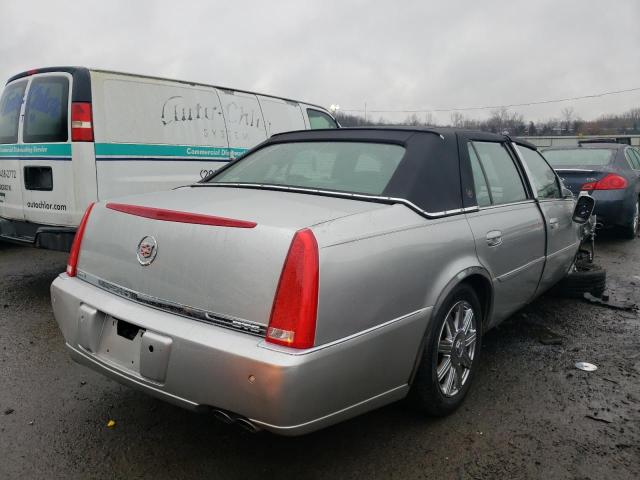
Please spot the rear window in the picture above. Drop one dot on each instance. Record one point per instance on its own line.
(579, 157)
(319, 120)
(45, 116)
(10, 104)
(341, 166)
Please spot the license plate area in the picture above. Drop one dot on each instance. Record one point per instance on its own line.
(120, 343)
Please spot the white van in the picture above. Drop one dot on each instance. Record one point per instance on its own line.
(70, 136)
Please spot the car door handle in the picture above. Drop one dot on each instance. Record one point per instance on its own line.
(553, 223)
(494, 238)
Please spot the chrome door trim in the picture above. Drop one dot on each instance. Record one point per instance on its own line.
(506, 276)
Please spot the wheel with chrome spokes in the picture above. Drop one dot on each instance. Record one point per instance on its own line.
(456, 348)
(451, 353)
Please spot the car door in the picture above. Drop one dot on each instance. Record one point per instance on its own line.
(562, 232)
(508, 228)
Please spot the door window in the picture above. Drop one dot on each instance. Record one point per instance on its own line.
(10, 104)
(318, 120)
(542, 176)
(502, 176)
(46, 112)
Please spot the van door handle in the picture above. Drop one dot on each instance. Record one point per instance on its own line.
(494, 238)
(553, 223)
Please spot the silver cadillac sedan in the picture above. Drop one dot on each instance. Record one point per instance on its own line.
(320, 276)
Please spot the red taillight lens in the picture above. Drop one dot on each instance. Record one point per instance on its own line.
(609, 182)
(295, 307)
(81, 122)
(72, 263)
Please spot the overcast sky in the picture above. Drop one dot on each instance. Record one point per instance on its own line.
(392, 55)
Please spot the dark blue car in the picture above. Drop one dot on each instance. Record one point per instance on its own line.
(610, 173)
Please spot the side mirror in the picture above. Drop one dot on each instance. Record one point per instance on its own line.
(584, 209)
(566, 193)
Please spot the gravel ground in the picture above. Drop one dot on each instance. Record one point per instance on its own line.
(530, 414)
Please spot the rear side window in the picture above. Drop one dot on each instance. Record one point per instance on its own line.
(579, 157)
(479, 180)
(318, 120)
(544, 180)
(632, 158)
(501, 174)
(10, 104)
(635, 153)
(46, 112)
(341, 166)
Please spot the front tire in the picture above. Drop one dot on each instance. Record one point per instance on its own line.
(451, 354)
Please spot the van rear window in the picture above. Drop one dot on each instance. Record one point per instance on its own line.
(10, 104)
(46, 113)
(319, 120)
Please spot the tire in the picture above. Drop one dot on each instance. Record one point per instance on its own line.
(587, 278)
(630, 231)
(441, 396)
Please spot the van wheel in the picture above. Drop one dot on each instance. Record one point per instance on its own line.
(451, 354)
(586, 278)
(630, 231)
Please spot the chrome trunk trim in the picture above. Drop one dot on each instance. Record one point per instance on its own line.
(219, 319)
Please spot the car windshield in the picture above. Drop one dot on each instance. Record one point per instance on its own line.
(579, 157)
(356, 167)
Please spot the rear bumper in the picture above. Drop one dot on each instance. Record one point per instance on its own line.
(36, 235)
(277, 389)
(613, 207)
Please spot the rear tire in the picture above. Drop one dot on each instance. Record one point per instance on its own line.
(630, 231)
(587, 278)
(451, 354)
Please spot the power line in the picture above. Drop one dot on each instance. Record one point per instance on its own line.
(490, 107)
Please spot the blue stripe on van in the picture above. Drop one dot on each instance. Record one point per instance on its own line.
(36, 151)
(129, 151)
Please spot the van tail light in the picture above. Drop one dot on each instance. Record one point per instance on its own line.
(609, 182)
(295, 306)
(72, 263)
(81, 122)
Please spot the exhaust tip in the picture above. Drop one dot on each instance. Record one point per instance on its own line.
(223, 416)
(231, 418)
(246, 425)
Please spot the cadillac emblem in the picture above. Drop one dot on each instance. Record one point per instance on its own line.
(147, 250)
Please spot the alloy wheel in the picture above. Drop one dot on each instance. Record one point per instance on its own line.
(456, 348)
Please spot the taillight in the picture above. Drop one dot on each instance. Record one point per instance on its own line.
(81, 122)
(72, 263)
(295, 306)
(609, 182)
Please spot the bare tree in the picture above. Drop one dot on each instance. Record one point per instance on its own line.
(568, 116)
(457, 119)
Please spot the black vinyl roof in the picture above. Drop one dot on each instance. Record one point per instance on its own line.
(429, 174)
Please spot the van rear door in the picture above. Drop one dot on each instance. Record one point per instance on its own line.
(47, 186)
(11, 205)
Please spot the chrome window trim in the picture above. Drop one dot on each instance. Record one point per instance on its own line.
(513, 204)
(219, 319)
(331, 193)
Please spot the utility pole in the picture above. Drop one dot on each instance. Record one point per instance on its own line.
(365, 112)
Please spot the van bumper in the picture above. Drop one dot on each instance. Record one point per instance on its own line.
(204, 367)
(37, 235)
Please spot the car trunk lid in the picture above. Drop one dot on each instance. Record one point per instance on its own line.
(219, 259)
(575, 177)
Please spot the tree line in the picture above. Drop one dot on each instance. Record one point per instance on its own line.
(504, 120)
